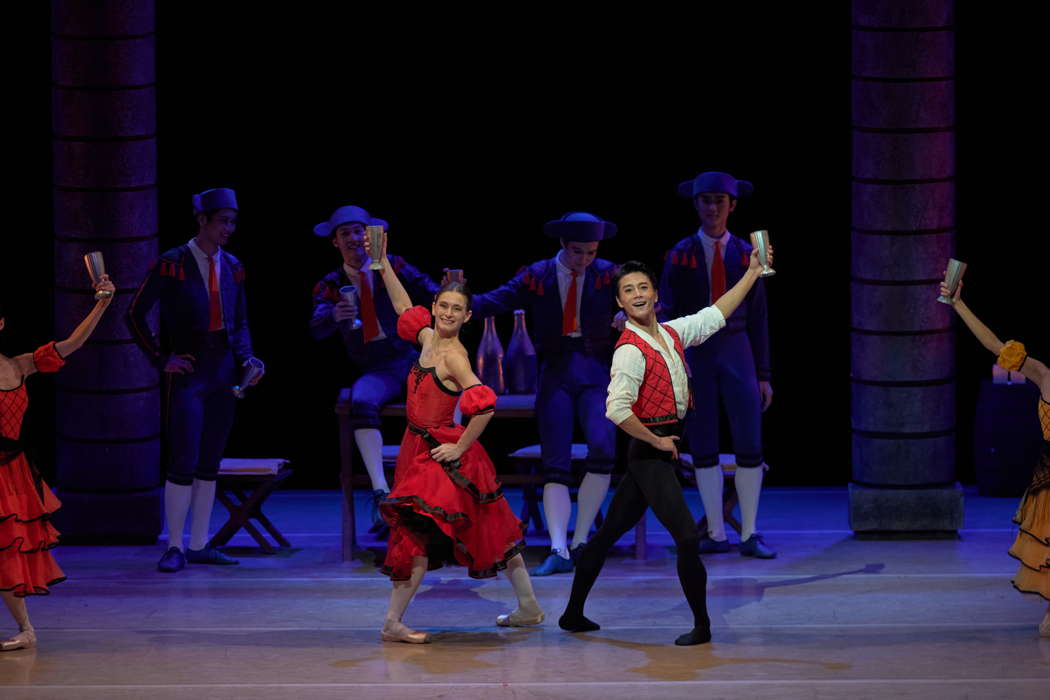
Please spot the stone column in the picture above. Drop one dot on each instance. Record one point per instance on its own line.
(104, 119)
(903, 232)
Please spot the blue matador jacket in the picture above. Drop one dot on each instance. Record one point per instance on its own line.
(421, 289)
(535, 288)
(175, 281)
(684, 289)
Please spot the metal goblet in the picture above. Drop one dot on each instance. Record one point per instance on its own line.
(952, 275)
(253, 367)
(349, 293)
(761, 241)
(375, 243)
(96, 268)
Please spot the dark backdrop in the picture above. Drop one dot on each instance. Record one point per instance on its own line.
(467, 132)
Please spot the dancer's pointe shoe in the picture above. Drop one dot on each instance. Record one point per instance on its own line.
(399, 632)
(519, 619)
(23, 640)
(699, 635)
(578, 623)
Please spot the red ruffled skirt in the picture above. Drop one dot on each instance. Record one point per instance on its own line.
(449, 514)
(26, 533)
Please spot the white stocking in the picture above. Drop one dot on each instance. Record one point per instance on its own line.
(177, 500)
(589, 501)
(748, 489)
(557, 509)
(370, 445)
(710, 482)
(200, 520)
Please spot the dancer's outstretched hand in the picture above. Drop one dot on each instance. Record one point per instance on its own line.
(945, 292)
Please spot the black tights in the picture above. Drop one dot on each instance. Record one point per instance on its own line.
(651, 482)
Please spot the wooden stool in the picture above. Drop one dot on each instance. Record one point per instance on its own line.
(527, 460)
(243, 485)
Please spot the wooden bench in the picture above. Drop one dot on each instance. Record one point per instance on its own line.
(729, 497)
(243, 485)
(529, 476)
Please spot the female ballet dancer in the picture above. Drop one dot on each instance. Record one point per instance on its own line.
(446, 505)
(1032, 545)
(26, 502)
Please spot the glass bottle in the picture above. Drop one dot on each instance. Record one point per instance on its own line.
(520, 364)
(490, 358)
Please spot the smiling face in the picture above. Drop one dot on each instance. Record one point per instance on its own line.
(350, 240)
(450, 311)
(577, 256)
(636, 295)
(714, 209)
(217, 228)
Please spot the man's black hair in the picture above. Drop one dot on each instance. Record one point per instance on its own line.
(633, 266)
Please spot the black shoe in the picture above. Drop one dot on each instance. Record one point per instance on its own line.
(172, 561)
(577, 623)
(378, 523)
(754, 547)
(209, 555)
(553, 564)
(712, 546)
(699, 635)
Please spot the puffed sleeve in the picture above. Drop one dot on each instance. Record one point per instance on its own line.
(1012, 356)
(477, 399)
(410, 323)
(47, 359)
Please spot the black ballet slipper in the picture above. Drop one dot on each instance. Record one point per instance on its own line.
(699, 635)
(577, 623)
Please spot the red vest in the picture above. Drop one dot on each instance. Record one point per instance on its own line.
(656, 402)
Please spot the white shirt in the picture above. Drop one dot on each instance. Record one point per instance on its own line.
(564, 280)
(370, 279)
(202, 264)
(628, 363)
(709, 254)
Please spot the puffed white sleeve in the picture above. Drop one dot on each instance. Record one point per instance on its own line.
(696, 328)
(625, 378)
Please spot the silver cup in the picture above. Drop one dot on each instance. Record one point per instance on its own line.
(349, 293)
(952, 275)
(375, 242)
(454, 274)
(761, 241)
(252, 369)
(96, 267)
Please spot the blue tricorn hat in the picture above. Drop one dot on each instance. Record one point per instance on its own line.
(346, 215)
(581, 227)
(715, 181)
(210, 200)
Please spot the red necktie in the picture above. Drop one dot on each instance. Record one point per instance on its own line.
(568, 316)
(718, 273)
(214, 305)
(369, 324)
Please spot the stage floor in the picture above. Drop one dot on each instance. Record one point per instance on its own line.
(831, 617)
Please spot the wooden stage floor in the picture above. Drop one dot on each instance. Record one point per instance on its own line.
(832, 616)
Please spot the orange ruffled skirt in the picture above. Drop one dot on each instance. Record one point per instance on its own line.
(1032, 545)
(26, 533)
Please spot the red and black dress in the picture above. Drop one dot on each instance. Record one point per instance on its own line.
(26, 502)
(452, 512)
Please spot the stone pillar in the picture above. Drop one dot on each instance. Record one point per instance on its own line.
(104, 119)
(903, 232)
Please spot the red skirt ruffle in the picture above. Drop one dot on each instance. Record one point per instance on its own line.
(462, 508)
(26, 533)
